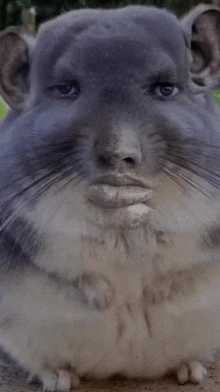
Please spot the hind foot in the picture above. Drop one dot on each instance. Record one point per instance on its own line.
(193, 371)
(62, 381)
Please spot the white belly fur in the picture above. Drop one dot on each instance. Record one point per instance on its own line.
(134, 337)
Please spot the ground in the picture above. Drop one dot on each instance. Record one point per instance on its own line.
(14, 380)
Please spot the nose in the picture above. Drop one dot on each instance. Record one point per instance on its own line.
(119, 149)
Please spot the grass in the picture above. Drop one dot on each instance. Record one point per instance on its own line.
(3, 109)
(216, 96)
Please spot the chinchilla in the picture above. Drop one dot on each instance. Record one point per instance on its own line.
(109, 195)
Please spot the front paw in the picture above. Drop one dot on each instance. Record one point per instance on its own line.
(96, 290)
(170, 286)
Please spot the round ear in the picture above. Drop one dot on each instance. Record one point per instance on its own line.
(202, 31)
(14, 66)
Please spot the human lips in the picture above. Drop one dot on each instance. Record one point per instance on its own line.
(119, 191)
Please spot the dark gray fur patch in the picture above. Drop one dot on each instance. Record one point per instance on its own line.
(18, 243)
(148, 324)
(199, 81)
(121, 329)
(6, 358)
(211, 239)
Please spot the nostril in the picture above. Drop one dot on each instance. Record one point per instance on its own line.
(107, 158)
(130, 161)
(106, 162)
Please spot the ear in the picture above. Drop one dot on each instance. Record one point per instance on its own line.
(202, 31)
(14, 66)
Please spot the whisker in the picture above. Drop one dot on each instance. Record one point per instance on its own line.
(37, 188)
(51, 148)
(192, 183)
(207, 174)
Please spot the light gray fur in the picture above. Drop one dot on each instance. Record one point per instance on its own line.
(91, 285)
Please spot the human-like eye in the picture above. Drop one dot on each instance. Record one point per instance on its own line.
(165, 90)
(66, 90)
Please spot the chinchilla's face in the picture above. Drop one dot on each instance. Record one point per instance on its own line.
(110, 111)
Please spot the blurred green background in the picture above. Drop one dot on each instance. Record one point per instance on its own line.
(12, 11)
(30, 13)
(216, 95)
(3, 108)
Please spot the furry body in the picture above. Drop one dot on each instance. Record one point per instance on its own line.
(110, 196)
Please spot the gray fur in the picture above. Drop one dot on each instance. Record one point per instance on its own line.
(109, 199)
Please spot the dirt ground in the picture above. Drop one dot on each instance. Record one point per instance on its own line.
(14, 380)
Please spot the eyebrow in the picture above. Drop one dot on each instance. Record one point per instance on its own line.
(164, 70)
(168, 75)
(61, 72)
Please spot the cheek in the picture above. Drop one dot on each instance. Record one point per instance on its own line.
(51, 121)
(178, 207)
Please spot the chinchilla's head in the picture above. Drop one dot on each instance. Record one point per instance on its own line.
(109, 109)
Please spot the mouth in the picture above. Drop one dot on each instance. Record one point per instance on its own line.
(118, 191)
